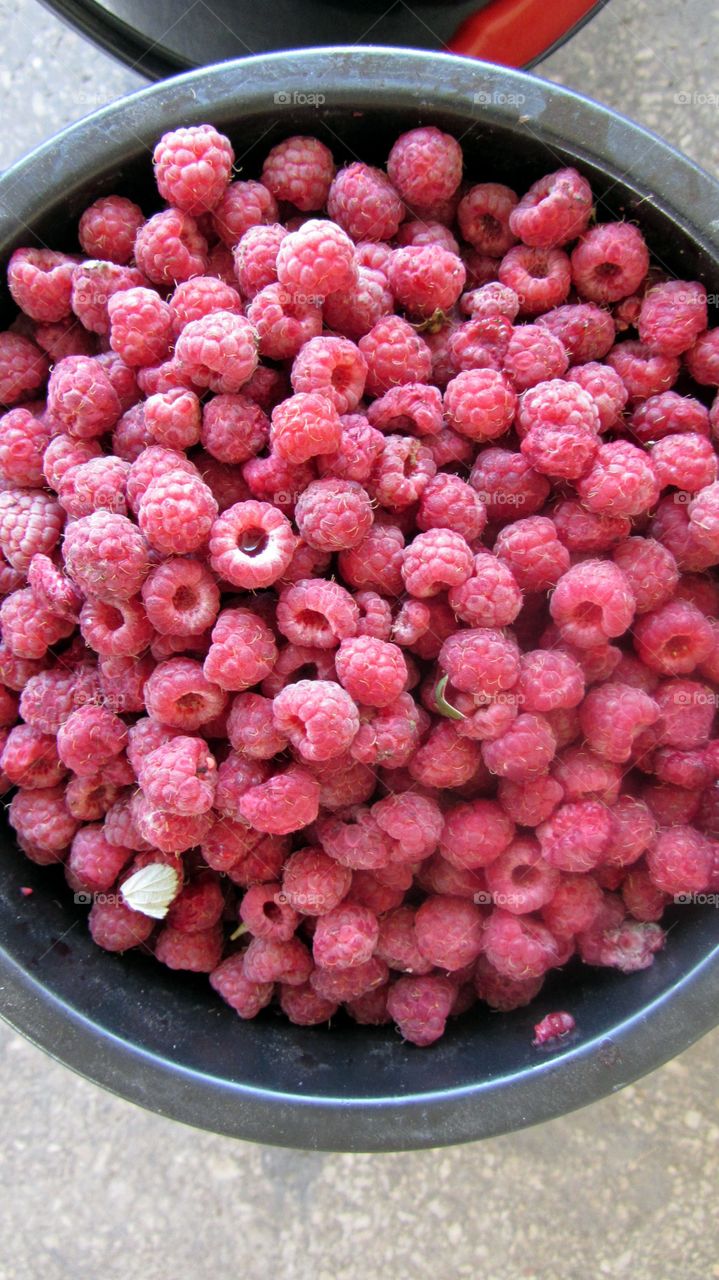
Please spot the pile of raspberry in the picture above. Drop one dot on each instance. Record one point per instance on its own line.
(357, 535)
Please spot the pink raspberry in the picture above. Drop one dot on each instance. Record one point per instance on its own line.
(680, 861)
(436, 560)
(355, 840)
(559, 423)
(533, 552)
(180, 696)
(251, 544)
(670, 526)
(425, 278)
(64, 338)
(479, 344)
(391, 734)
(518, 947)
(300, 171)
(555, 209)
(218, 351)
(374, 563)
(97, 485)
(480, 404)
(425, 166)
(524, 751)
(445, 759)
(198, 297)
(703, 513)
(673, 639)
(574, 907)
(507, 484)
(123, 679)
(606, 389)
(89, 738)
(180, 776)
(284, 322)
(490, 597)
(582, 530)
(286, 802)
(333, 515)
(417, 231)
(364, 203)
(108, 228)
(169, 248)
(480, 661)
(255, 257)
(592, 603)
(23, 441)
(613, 716)
(687, 710)
(64, 452)
(540, 277)
(317, 612)
(235, 776)
(251, 729)
(402, 472)
(93, 285)
(316, 260)
(359, 448)
(304, 425)
(81, 397)
(319, 718)
(475, 834)
(520, 880)
(28, 628)
(610, 262)
(644, 373)
(548, 681)
(503, 993)
(243, 205)
(177, 512)
(173, 418)
(335, 368)
(115, 927)
(304, 1006)
(94, 864)
(23, 368)
(420, 1007)
(577, 836)
(585, 330)
(115, 629)
(668, 414)
(532, 802)
(650, 569)
(313, 883)
(484, 215)
(397, 944)
(42, 818)
(414, 408)
(243, 650)
(130, 435)
(533, 355)
(702, 360)
(450, 503)
(152, 463)
(106, 555)
(193, 166)
(29, 758)
(492, 299)
(672, 316)
(449, 931)
(620, 481)
(375, 615)
(180, 597)
(353, 312)
(198, 906)
(140, 326)
(345, 937)
(40, 282)
(373, 672)
(395, 354)
(686, 462)
(642, 898)
(197, 952)
(413, 822)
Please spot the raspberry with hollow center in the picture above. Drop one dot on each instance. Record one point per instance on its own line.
(592, 603)
(180, 696)
(555, 209)
(610, 262)
(333, 367)
(483, 215)
(673, 639)
(243, 650)
(541, 278)
(520, 880)
(319, 718)
(180, 597)
(118, 628)
(251, 544)
(317, 612)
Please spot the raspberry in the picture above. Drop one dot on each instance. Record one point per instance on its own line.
(507, 485)
(107, 228)
(520, 880)
(672, 316)
(686, 462)
(586, 776)
(480, 404)
(450, 503)
(524, 751)
(577, 836)
(199, 297)
(402, 472)
(117, 629)
(436, 560)
(284, 322)
(317, 612)
(300, 171)
(555, 209)
(533, 552)
(313, 883)
(650, 570)
(475, 834)
(29, 758)
(549, 681)
(480, 661)
(243, 650)
(169, 832)
(180, 776)
(445, 759)
(620, 481)
(305, 1007)
(585, 330)
(304, 425)
(180, 696)
(106, 555)
(267, 960)
(333, 367)
(40, 282)
(64, 452)
(541, 278)
(255, 258)
(180, 597)
(375, 563)
(140, 326)
(375, 615)
(353, 312)
(413, 822)
(479, 344)
(583, 530)
(28, 628)
(702, 360)
(373, 672)
(668, 414)
(490, 597)
(316, 260)
(703, 523)
(152, 463)
(115, 927)
(94, 864)
(333, 515)
(97, 485)
(218, 351)
(517, 947)
(177, 512)
(390, 735)
(670, 526)
(130, 435)
(643, 373)
(23, 368)
(89, 738)
(193, 167)
(425, 166)
(169, 248)
(198, 906)
(251, 544)
(449, 931)
(395, 354)
(533, 355)
(397, 942)
(610, 262)
(81, 397)
(319, 718)
(344, 782)
(687, 710)
(364, 203)
(93, 285)
(414, 408)
(197, 952)
(673, 639)
(613, 716)
(173, 418)
(420, 1007)
(417, 231)
(559, 423)
(484, 215)
(605, 388)
(64, 338)
(286, 802)
(425, 278)
(680, 861)
(23, 441)
(492, 299)
(345, 937)
(242, 205)
(592, 603)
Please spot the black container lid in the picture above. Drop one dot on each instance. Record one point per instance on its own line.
(161, 37)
